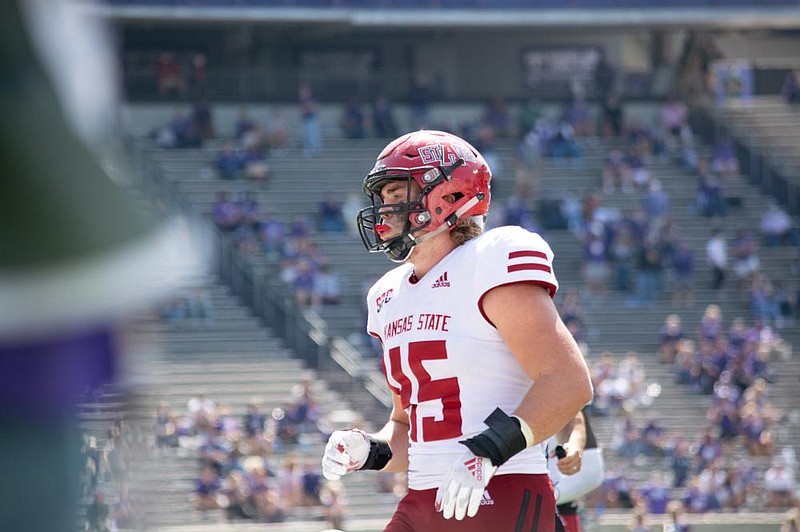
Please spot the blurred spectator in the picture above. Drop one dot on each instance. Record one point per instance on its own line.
(198, 79)
(225, 213)
(777, 227)
(576, 114)
(683, 274)
(604, 77)
(791, 88)
(202, 411)
(290, 480)
(177, 133)
(170, 80)
(674, 520)
(674, 118)
(780, 485)
(352, 122)
(254, 165)
(312, 484)
(639, 174)
(670, 338)
(254, 139)
(717, 258)
(276, 131)
(612, 118)
(744, 249)
(228, 163)
(649, 276)
(166, 426)
(763, 305)
(329, 214)
(596, 263)
(98, 514)
(689, 155)
(207, 490)
(710, 200)
(271, 234)
(616, 173)
(571, 308)
(126, 511)
(202, 124)
(238, 504)
(254, 419)
(624, 251)
(655, 202)
(303, 283)
(709, 448)
(383, 122)
(680, 462)
(244, 123)
(655, 494)
(735, 490)
(312, 133)
(249, 209)
(724, 161)
(562, 143)
(335, 504)
(327, 287)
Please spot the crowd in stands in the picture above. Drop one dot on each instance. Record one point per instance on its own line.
(638, 252)
(286, 243)
(715, 472)
(252, 467)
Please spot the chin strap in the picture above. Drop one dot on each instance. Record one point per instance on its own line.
(451, 220)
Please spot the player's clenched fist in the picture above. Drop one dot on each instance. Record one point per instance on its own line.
(346, 451)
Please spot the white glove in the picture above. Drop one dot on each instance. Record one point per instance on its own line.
(462, 488)
(345, 452)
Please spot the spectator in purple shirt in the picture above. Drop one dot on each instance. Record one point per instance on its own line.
(791, 88)
(271, 234)
(655, 493)
(225, 213)
(596, 260)
(228, 162)
(683, 274)
(710, 200)
(207, 490)
(724, 162)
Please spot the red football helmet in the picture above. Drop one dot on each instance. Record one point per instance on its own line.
(454, 179)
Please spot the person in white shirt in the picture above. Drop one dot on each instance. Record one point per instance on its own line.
(481, 367)
(717, 257)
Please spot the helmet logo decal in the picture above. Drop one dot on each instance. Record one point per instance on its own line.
(445, 154)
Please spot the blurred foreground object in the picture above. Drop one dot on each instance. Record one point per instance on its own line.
(76, 255)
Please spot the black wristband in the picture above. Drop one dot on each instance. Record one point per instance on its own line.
(379, 454)
(502, 440)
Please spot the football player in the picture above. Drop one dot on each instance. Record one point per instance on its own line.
(481, 367)
(576, 468)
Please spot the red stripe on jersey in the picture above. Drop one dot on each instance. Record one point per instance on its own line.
(521, 267)
(528, 253)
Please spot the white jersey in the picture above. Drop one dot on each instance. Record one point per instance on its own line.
(444, 358)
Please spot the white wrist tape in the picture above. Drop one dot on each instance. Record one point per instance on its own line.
(526, 430)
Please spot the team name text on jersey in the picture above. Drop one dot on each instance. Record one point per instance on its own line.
(423, 322)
